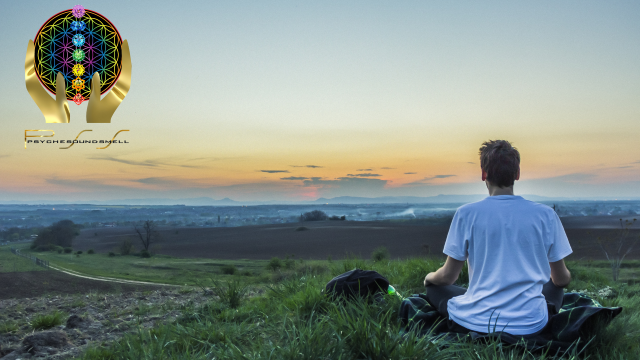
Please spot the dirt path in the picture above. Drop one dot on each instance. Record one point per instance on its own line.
(102, 278)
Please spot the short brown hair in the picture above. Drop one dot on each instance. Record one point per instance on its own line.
(500, 161)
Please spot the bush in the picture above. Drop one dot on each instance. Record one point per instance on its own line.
(91, 251)
(246, 273)
(232, 293)
(59, 251)
(79, 252)
(274, 264)
(111, 254)
(289, 263)
(145, 254)
(43, 248)
(315, 215)
(68, 250)
(228, 269)
(380, 253)
(43, 322)
(336, 217)
(126, 247)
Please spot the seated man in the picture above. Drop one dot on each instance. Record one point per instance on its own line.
(513, 247)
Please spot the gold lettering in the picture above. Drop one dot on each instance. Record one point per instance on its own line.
(74, 141)
(114, 136)
(26, 136)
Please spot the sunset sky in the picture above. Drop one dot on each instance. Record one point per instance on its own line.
(295, 100)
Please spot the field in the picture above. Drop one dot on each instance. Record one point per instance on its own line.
(404, 239)
(292, 319)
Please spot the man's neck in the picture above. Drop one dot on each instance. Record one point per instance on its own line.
(496, 190)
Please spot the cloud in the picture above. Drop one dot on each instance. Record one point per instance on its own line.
(387, 168)
(410, 173)
(346, 186)
(364, 175)
(427, 180)
(275, 171)
(364, 169)
(624, 167)
(294, 178)
(308, 166)
(148, 163)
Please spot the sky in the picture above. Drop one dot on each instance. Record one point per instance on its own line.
(292, 100)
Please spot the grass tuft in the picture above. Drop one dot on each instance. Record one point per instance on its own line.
(47, 321)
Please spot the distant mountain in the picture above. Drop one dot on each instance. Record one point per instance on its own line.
(440, 199)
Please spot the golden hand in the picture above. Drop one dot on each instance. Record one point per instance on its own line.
(54, 111)
(101, 111)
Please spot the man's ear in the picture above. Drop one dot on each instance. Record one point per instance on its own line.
(484, 175)
(518, 174)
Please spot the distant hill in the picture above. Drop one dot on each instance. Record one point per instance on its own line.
(440, 199)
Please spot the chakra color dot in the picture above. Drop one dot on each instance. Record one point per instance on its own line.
(78, 69)
(78, 99)
(78, 55)
(78, 11)
(78, 25)
(78, 40)
(77, 84)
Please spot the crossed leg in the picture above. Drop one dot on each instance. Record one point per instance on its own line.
(438, 296)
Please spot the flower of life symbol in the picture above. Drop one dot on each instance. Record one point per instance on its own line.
(59, 38)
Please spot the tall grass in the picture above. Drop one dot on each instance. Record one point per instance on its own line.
(295, 320)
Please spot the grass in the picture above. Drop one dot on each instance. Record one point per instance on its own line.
(8, 327)
(158, 268)
(13, 263)
(294, 320)
(47, 321)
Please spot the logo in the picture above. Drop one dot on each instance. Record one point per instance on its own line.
(78, 55)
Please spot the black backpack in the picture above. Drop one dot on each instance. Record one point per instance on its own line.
(357, 283)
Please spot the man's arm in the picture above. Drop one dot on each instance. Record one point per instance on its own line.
(560, 275)
(447, 274)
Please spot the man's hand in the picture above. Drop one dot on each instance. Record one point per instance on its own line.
(446, 275)
(428, 278)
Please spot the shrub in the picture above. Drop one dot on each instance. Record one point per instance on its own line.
(59, 251)
(289, 263)
(79, 252)
(274, 264)
(231, 293)
(336, 217)
(91, 251)
(228, 269)
(126, 247)
(145, 254)
(111, 254)
(315, 215)
(43, 247)
(43, 322)
(246, 273)
(68, 250)
(380, 253)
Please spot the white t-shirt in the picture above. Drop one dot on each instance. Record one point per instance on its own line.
(508, 242)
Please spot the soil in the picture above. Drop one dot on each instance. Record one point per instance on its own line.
(88, 320)
(329, 238)
(20, 285)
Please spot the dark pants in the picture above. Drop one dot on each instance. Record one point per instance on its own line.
(438, 296)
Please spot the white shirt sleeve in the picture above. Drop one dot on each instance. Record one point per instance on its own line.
(457, 243)
(559, 248)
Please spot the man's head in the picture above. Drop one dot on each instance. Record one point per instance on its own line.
(500, 163)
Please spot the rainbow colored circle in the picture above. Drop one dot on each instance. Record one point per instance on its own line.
(54, 49)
